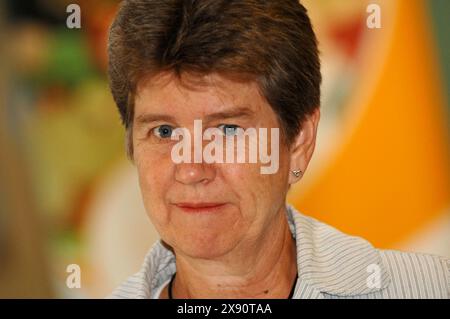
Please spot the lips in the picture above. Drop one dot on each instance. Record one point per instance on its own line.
(200, 207)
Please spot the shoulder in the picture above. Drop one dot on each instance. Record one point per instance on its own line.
(339, 265)
(158, 267)
(135, 287)
(416, 275)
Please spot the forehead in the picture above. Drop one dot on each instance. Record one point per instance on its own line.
(197, 94)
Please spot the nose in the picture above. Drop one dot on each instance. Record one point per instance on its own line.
(194, 173)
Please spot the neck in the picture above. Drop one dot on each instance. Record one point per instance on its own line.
(266, 268)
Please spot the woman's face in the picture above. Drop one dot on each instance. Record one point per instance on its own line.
(205, 210)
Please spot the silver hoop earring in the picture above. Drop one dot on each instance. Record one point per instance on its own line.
(297, 173)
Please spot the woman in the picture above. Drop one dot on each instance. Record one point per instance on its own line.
(237, 67)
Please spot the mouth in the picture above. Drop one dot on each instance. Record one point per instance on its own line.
(200, 207)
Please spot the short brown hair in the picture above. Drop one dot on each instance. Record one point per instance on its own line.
(270, 40)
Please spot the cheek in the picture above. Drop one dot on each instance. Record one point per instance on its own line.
(253, 188)
(154, 174)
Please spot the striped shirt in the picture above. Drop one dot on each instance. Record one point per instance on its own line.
(330, 264)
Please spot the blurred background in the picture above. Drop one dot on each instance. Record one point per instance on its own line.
(68, 195)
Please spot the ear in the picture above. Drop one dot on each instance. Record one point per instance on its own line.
(302, 149)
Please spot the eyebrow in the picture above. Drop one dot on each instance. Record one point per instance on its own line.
(148, 118)
(233, 113)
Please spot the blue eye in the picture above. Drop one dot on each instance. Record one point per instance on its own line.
(229, 130)
(163, 131)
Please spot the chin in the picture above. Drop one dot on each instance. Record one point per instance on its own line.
(204, 247)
